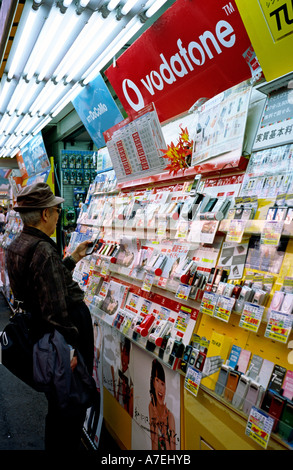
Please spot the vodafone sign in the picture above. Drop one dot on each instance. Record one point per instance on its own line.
(195, 49)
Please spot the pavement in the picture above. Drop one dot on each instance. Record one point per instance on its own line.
(22, 409)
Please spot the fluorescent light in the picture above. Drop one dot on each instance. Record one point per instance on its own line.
(75, 90)
(4, 121)
(19, 129)
(42, 125)
(33, 91)
(7, 90)
(154, 8)
(128, 6)
(114, 47)
(19, 92)
(62, 39)
(9, 128)
(77, 47)
(112, 4)
(56, 95)
(96, 36)
(84, 3)
(44, 41)
(31, 124)
(43, 96)
(23, 42)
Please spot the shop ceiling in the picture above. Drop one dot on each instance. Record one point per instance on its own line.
(50, 50)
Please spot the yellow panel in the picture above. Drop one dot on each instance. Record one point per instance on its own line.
(118, 421)
(269, 25)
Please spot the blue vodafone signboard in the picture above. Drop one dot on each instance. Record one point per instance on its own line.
(97, 110)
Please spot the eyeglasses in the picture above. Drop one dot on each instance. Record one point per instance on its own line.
(58, 209)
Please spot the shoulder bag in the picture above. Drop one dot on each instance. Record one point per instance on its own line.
(16, 346)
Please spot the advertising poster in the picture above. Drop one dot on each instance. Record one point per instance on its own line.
(118, 367)
(35, 156)
(97, 110)
(156, 412)
(194, 50)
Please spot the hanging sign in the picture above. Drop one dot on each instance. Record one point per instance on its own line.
(194, 50)
(35, 156)
(97, 110)
(276, 126)
(269, 24)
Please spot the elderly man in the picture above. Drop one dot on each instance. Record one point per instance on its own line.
(43, 281)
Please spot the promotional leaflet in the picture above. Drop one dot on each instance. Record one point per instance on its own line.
(135, 145)
(221, 124)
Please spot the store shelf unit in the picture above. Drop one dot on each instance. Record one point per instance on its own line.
(214, 421)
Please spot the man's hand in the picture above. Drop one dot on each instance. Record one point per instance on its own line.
(73, 363)
(80, 250)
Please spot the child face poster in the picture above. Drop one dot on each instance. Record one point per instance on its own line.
(156, 404)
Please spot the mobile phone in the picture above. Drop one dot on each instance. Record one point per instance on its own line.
(222, 380)
(92, 246)
(275, 410)
(241, 391)
(251, 397)
(232, 382)
(286, 422)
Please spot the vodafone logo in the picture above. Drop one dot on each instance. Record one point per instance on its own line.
(131, 90)
(185, 60)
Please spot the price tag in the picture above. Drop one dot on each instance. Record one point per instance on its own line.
(192, 380)
(208, 303)
(148, 282)
(183, 292)
(279, 326)
(271, 232)
(182, 229)
(224, 308)
(105, 268)
(162, 226)
(259, 427)
(251, 316)
(236, 230)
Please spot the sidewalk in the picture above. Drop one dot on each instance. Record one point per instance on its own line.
(22, 409)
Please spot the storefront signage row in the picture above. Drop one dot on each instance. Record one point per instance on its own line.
(194, 50)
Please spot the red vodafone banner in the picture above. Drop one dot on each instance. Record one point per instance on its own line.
(195, 49)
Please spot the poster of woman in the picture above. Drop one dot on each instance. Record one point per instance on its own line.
(156, 415)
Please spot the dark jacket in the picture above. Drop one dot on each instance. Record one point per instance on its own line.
(40, 278)
(53, 374)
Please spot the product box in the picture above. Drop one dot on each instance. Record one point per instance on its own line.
(220, 345)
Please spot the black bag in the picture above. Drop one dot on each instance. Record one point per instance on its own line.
(17, 347)
(15, 341)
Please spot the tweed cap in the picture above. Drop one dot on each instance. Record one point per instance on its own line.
(36, 196)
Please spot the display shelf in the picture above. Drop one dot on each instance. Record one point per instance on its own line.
(242, 415)
(255, 227)
(215, 166)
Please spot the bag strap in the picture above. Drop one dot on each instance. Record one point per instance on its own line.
(20, 304)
